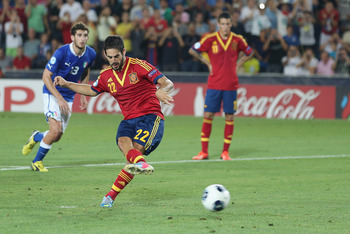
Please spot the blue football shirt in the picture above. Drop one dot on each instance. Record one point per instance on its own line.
(64, 62)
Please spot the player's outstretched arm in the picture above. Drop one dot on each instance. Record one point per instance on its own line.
(164, 90)
(84, 89)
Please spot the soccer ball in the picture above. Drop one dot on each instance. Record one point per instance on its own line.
(215, 197)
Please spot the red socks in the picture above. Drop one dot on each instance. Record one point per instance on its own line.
(124, 178)
(229, 126)
(134, 156)
(206, 130)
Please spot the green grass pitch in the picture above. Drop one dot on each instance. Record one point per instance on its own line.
(287, 176)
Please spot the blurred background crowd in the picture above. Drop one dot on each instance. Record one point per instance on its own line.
(293, 37)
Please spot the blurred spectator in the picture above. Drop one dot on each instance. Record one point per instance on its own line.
(346, 40)
(236, 4)
(201, 26)
(55, 44)
(37, 17)
(332, 45)
(251, 66)
(171, 44)
(54, 7)
(275, 48)
(341, 64)
(150, 43)
(307, 31)
(20, 6)
(5, 12)
(271, 12)
(13, 30)
(100, 61)
(247, 15)
(325, 66)
(213, 19)
(136, 10)
(44, 47)
(179, 11)
(260, 22)
(291, 62)
(329, 20)
(181, 26)
(158, 22)
(146, 19)
(74, 8)
(344, 12)
(21, 62)
(137, 36)
(166, 12)
(188, 62)
(259, 51)
(124, 6)
(89, 11)
(92, 41)
(106, 26)
(155, 4)
(291, 38)
(237, 26)
(124, 28)
(31, 45)
(5, 62)
(285, 14)
(102, 4)
(198, 6)
(308, 62)
(64, 24)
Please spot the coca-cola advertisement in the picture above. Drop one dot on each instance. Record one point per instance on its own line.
(268, 101)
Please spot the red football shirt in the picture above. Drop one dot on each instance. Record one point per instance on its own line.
(134, 87)
(223, 55)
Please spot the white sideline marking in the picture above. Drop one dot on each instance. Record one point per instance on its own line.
(16, 168)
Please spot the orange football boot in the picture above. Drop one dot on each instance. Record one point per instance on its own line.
(225, 156)
(201, 156)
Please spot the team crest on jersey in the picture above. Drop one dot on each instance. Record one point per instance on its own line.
(133, 78)
(85, 64)
(234, 45)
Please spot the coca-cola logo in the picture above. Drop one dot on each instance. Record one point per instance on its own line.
(105, 103)
(289, 103)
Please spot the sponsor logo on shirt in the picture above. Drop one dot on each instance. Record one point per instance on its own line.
(133, 78)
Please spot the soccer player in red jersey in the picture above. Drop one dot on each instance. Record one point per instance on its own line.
(223, 48)
(132, 82)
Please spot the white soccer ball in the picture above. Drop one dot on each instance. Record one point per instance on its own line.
(215, 197)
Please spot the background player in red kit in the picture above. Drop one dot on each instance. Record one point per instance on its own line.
(223, 48)
(132, 82)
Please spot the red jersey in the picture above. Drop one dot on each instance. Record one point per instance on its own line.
(223, 55)
(134, 87)
(329, 28)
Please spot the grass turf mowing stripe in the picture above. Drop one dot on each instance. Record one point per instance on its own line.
(15, 168)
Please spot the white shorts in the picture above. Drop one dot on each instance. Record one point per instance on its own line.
(52, 110)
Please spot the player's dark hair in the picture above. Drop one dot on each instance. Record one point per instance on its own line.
(114, 42)
(224, 15)
(78, 26)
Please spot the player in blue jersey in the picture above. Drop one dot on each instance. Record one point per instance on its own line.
(72, 62)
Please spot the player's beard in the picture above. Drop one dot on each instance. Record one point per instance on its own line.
(120, 65)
